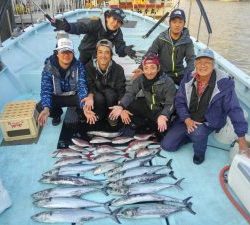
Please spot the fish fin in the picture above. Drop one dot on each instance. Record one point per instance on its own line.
(108, 203)
(114, 215)
(177, 184)
(185, 201)
(189, 208)
(104, 190)
(159, 155)
(169, 164)
(171, 174)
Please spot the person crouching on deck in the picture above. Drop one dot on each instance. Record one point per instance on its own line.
(106, 83)
(204, 100)
(149, 96)
(63, 83)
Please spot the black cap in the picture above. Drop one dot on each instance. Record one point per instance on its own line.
(118, 14)
(177, 13)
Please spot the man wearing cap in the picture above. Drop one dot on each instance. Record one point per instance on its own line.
(205, 98)
(105, 27)
(63, 83)
(150, 96)
(173, 46)
(106, 83)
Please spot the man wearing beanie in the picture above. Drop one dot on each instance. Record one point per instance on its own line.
(150, 96)
(173, 46)
(106, 84)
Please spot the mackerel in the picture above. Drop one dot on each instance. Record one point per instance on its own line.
(104, 134)
(154, 210)
(68, 203)
(73, 216)
(105, 167)
(63, 192)
(141, 198)
(69, 180)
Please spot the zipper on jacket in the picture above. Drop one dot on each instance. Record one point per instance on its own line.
(173, 62)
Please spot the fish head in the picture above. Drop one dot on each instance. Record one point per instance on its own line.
(45, 179)
(42, 202)
(40, 194)
(129, 212)
(42, 217)
(52, 172)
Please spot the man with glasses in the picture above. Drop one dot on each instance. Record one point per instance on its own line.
(106, 83)
(63, 83)
(204, 100)
(150, 96)
(173, 46)
(108, 26)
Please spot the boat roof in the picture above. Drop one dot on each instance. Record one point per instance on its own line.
(22, 165)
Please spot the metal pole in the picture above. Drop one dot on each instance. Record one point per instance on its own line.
(189, 12)
(199, 27)
(208, 40)
(9, 23)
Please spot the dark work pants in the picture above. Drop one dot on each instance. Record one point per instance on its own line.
(61, 101)
(178, 136)
(103, 100)
(141, 111)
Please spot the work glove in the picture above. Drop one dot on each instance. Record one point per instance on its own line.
(130, 52)
(60, 25)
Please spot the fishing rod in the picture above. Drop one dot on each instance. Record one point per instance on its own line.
(159, 21)
(44, 13)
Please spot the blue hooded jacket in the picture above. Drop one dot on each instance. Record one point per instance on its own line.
(223, 103)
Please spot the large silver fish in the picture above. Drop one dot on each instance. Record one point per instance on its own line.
(70, 170)
(121, 140)
(81, 149)
(71, 160)
(108, 157)
(143, 137)
(131, 164)
(64, 192)
(68, 203)
(104, 134)
(105, 167)
(99, 140)
(104, 149)
(80, 142)
(71, 153)
(69, 180)
(153, 210)
(73, 216)
(142, 198)
(137, 144)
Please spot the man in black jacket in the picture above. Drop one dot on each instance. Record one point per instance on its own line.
(105, 27)
(106, 83)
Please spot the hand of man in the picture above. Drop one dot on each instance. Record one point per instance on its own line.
(243, 147)
(130, 52)
(90, 116)
(137, 73)
(88, 102)
(60, 24)
(162, 123)
(191, 125)
(116, 112)
(43, 116)
(125, 116)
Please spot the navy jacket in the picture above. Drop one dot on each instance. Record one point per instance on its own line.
(53, 83)
(223, 103)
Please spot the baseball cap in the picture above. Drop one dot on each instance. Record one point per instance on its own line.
(151, 59)
(105, 42)
(118, 14)
(177, 13)
(65, 44)
(205, 53)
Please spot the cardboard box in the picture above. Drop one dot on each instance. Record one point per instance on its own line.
(19, 121)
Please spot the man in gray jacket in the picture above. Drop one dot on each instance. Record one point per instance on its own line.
(150, 96)
(173, 46)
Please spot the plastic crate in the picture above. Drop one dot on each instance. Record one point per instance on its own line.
(19, 121)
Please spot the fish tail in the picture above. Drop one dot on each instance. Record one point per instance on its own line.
(169, 164)
(114, 215)
(185, 201)
(159, 155)
(171, 174)
(177, 184)
(189, 208)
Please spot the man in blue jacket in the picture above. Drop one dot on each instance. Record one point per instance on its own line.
(173, 46)
(63, 83)
(108, 26)
(204, 100)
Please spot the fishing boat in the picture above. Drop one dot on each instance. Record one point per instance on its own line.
(22, 163)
